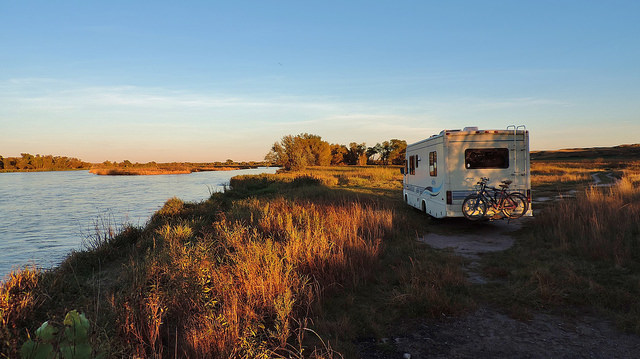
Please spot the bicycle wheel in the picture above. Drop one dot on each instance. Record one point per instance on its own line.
(474, 207)
(515, 205)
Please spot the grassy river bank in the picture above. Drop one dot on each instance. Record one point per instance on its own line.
(254, 271)
(308, 264)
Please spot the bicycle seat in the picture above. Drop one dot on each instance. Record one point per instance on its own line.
(507, 182)
(504, 186)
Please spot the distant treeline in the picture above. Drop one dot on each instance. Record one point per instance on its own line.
(297, 152)
(28, 162)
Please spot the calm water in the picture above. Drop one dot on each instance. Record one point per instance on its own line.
(45, 215)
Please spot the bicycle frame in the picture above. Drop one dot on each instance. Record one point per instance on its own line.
(497, 201)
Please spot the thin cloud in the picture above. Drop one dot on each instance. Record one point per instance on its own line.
(516, 102)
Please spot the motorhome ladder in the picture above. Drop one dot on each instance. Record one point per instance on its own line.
(515, 148)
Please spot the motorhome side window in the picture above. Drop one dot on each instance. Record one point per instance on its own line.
(475, 158)
(433, 164)
(412, 165)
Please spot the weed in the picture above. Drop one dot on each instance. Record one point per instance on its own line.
(72, 342)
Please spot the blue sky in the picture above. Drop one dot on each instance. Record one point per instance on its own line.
(212, 80)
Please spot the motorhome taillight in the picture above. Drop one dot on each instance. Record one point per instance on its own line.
(529, 195)
(449, 197)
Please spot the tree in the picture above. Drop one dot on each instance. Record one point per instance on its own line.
(356, 155)
(372, 152)
(398, 151)
(319, 150)
(337, 154)
(25, 162)
(297, 152)
(277, 155)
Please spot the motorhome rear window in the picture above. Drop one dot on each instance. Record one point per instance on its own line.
(475, 158)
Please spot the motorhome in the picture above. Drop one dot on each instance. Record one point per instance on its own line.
(442, 170)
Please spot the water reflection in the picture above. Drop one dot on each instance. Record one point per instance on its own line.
(45, 215)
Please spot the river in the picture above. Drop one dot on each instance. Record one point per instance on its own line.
(46, 215)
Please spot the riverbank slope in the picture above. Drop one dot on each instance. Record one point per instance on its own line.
(327, 262)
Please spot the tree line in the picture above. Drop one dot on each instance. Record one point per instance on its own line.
(28, 162)
(297, 152)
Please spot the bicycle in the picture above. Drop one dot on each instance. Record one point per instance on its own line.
(512, 205)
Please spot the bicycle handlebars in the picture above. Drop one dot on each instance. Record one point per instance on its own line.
(484, 180)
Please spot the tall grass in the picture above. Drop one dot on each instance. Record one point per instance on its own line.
(244, 273)
(238, 286)
(579, 252)
(19, 297)
(600, 223)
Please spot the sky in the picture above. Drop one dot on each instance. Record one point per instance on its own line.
(208, 81)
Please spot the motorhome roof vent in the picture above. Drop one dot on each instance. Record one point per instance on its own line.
(470, 128)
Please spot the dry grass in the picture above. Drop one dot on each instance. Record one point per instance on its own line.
(249, 272)
(19, 297)
(250, 280)
(582, 251)
(361, 176)
(600, 223)
(554, 173)
(331, 251)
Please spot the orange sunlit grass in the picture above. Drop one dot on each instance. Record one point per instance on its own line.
(581, 251)
(261, 267)
(601, 223)
(19, 297)
(545, 173)
(242, 274)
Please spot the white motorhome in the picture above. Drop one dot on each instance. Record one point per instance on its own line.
(443, 169)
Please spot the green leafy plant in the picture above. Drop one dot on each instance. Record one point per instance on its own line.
(70, 343)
